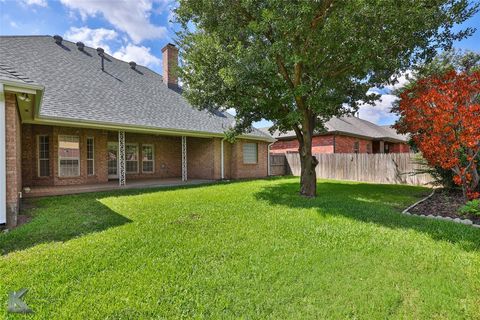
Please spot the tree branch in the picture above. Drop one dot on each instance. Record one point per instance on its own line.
(327, 4)
(284, 72)
(298, 74)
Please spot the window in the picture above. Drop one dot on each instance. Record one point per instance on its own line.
(356, 147)
(90, 157)
(369, 147)
(68, 156)
(131, 157)
(43, 156)
(250, 153)
(147, 158)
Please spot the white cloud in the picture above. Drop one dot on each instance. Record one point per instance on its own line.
(101, 37)
(232, 111)
(403, 79)
(140, 54)
(40, 3)
(130, 16)
(380, 112)
(92, 37)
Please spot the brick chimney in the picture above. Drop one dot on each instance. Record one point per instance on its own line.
(170, 63)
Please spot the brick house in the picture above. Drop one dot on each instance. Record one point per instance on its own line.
(346, 135)
(76, 116)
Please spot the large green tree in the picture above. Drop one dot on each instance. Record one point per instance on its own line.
(299, 63)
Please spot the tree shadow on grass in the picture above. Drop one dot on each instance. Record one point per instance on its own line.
(372, 203)
(60, 219)
(64, 217)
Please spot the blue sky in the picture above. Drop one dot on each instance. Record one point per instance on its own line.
(137, 30)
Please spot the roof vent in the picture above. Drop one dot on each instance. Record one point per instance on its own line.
(101, 52)
(58, 39)
(132, 64)
(80, 46)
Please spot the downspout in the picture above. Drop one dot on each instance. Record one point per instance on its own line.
(222, 170)
(3, 174)
(269, 173)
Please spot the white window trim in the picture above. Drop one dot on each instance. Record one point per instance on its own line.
(79, 156)
(93, 159)
(243, 150)
(153, 158)
(38, 155)
(138, 158)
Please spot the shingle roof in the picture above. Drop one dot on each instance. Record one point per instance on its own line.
(9, 74)
(77, 89)
(356, 127)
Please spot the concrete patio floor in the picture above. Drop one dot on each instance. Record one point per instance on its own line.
(44, 191)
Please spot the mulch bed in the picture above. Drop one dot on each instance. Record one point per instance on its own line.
(444, 203)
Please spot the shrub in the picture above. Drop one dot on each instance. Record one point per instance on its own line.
(441, 177)
(471, 208)
(441, 113)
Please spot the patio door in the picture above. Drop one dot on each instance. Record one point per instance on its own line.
(112, 160)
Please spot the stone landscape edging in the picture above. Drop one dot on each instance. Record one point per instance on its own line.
(431, 216)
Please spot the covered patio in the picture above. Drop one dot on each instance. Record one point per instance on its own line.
(45, 191)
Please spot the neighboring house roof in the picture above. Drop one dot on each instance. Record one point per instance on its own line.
(76, 89)
(352, 126)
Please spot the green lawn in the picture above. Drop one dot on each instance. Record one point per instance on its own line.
(248, 249)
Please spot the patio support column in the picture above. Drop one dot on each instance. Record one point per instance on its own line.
(184, 158)
(122, 180)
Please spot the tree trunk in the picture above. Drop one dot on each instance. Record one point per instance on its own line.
(308, 177)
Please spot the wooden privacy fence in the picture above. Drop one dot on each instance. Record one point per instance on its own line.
(380, 167)
(278, 165)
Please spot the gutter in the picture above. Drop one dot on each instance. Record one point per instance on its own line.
(132, 128)
(18, 86)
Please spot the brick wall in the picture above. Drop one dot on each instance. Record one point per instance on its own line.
(167, 153)
(200, 158)
(283, 146)
(30, 155)
(203, 156)
(100, 157)
(345, 144)
(13, 158)
(227, 150)
(30, 135)
(242, 170)
(400, 148)
(320, 144)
